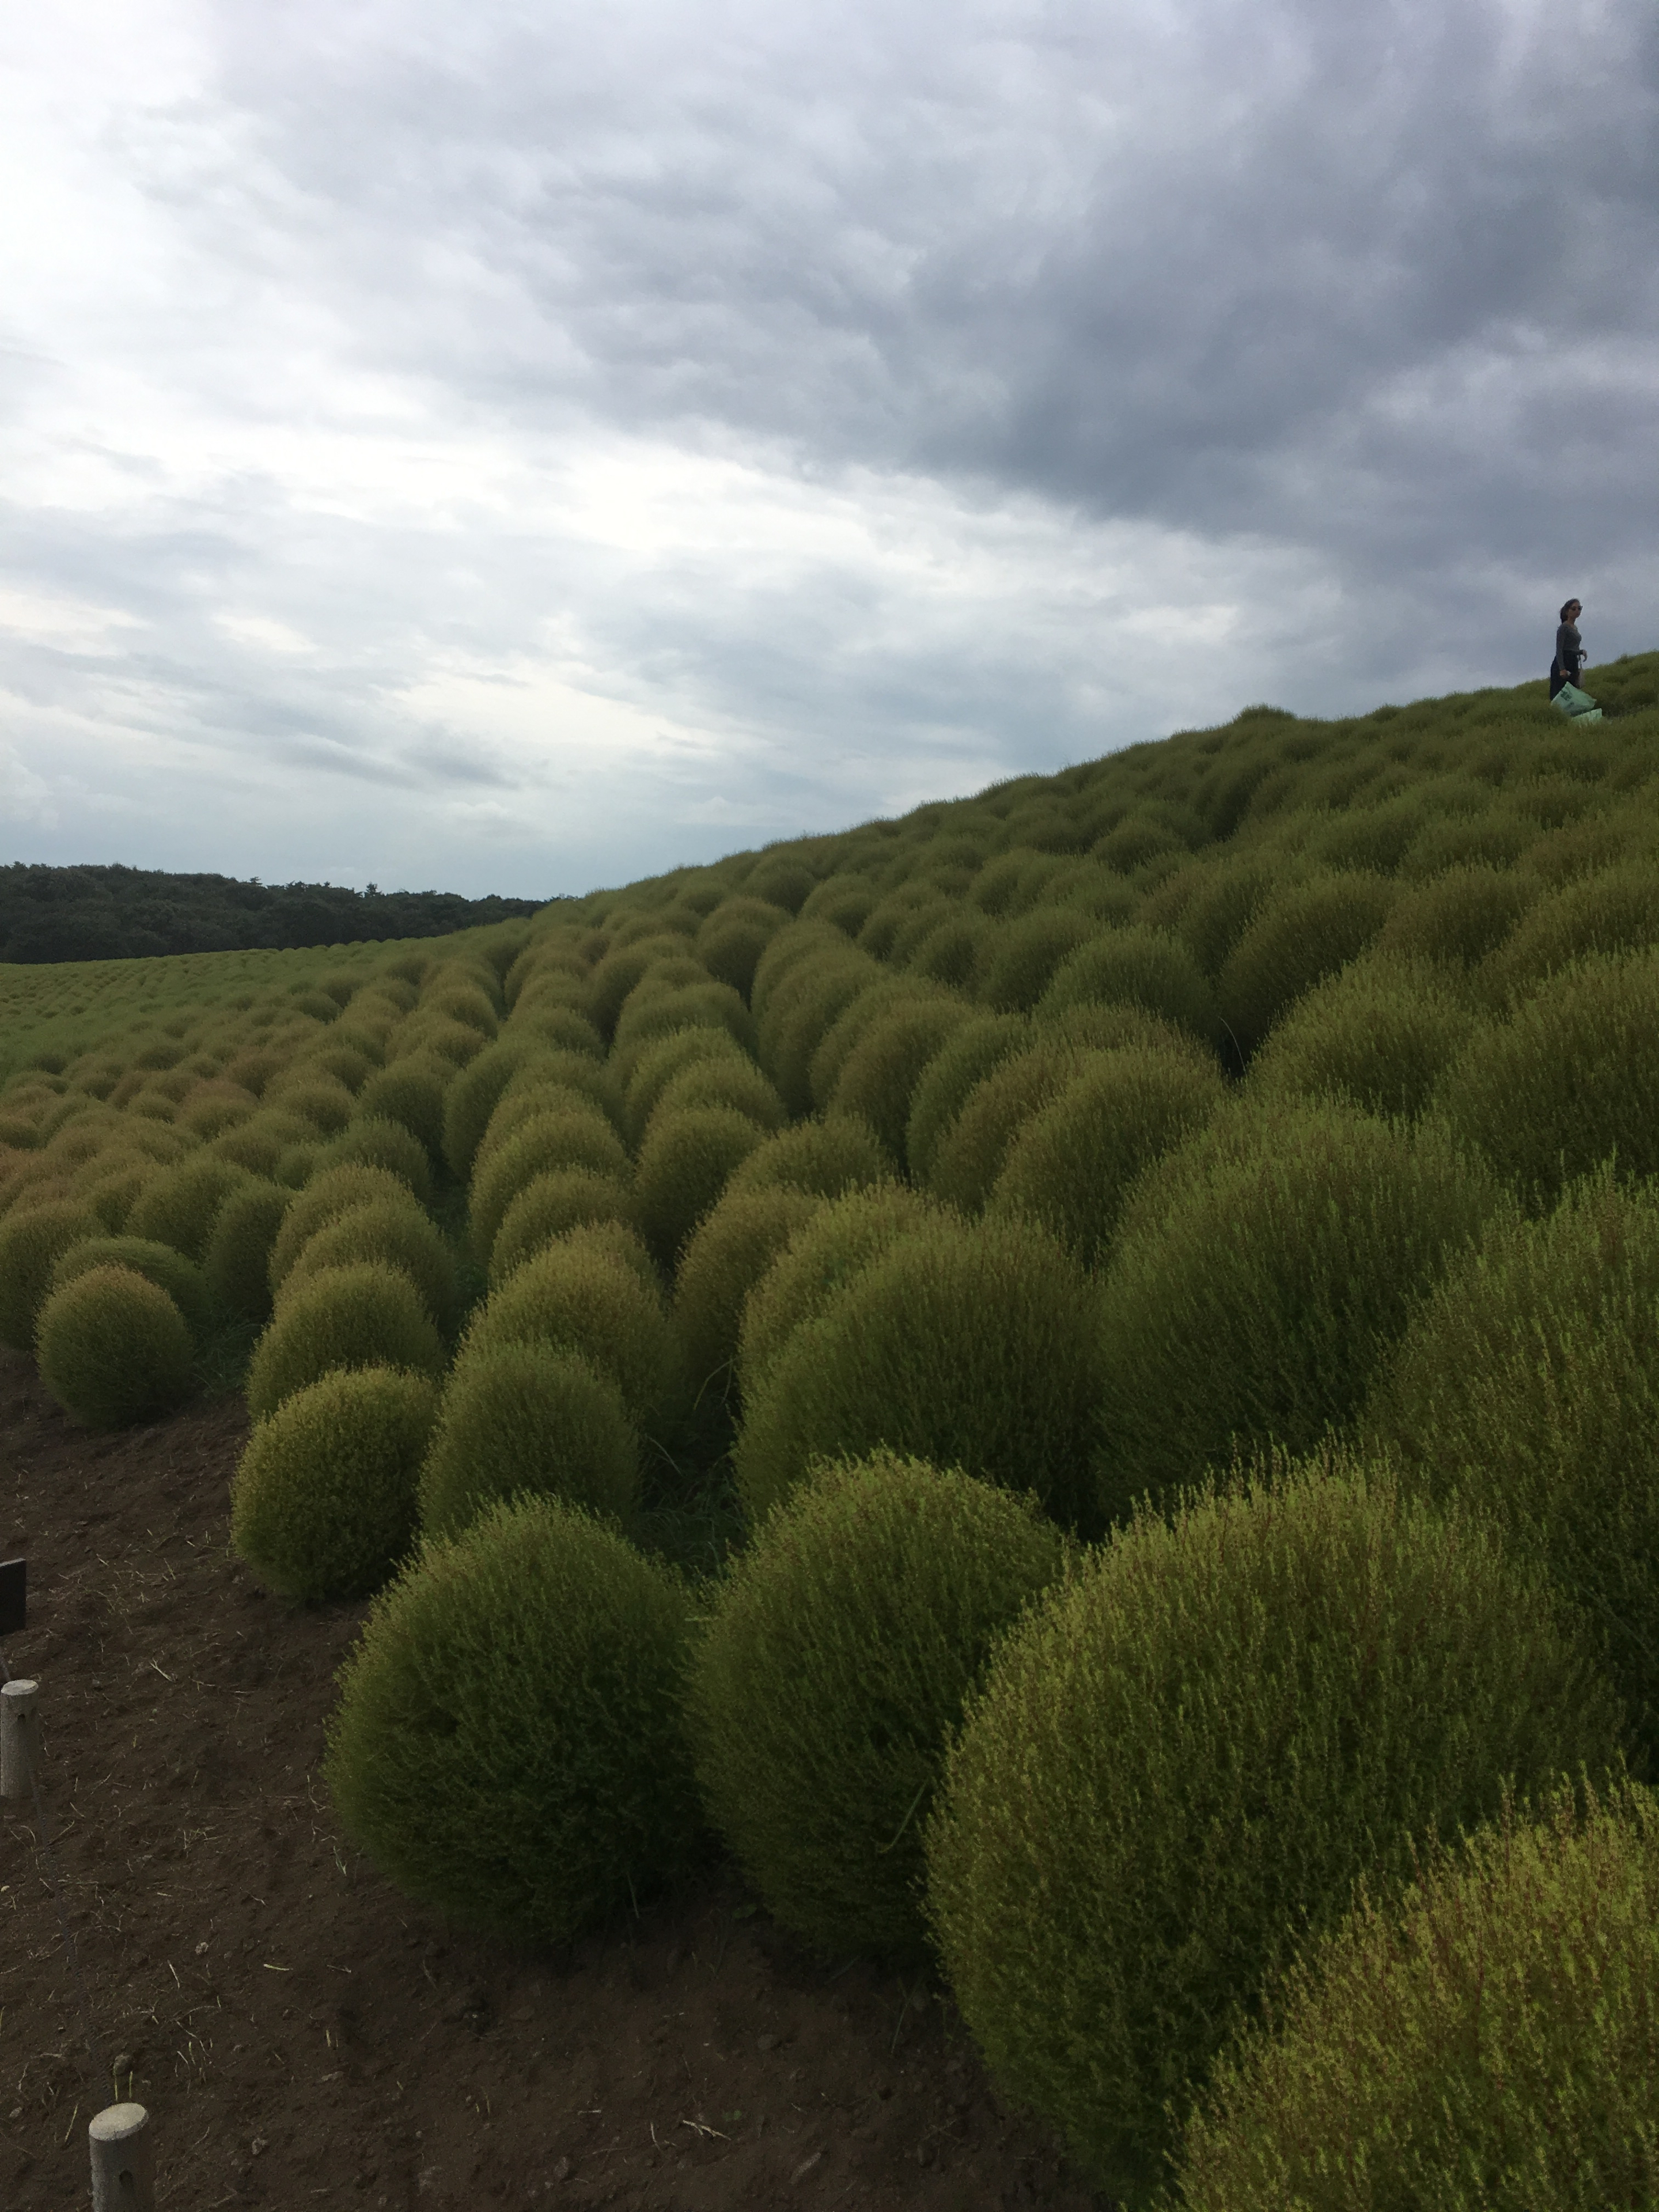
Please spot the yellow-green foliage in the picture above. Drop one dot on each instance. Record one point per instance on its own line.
(521, 1418)
(686, 1161)
(950, 1078)
(832, 1246)
(1486, 2046)
(1568, 1081)
(877, 1079)
(368, 1314)
(661, 1061)
(579, 1138)
(323, 1503)
(114, 1348)
(1529, 1382)
(877, 1590)
(1070, 1166)
(1022, 956)
(734, 1247)
(375, 1142)
(1182, 1763)
(412, 1093)
(509, 1745)
(237, 1261)
(1260, 1274)
(734, 1082)
(1144, 968)
(1379, 1035)
(184, 1283)
(581, 1294)
(824, 1159)
(734, 935)
(548, 1206)
(180, 1206)
(1300, 935)
(334, 1192)
(969, 1155)
(33, 1238)
(972, 1347)
(402, 1236)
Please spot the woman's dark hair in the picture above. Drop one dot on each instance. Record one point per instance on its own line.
(1565, 605)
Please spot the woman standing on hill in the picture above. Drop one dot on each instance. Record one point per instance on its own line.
(1569, 648)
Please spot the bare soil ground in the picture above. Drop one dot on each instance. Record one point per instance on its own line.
(301, 2034)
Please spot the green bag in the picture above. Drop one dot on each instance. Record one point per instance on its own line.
(1577, 706)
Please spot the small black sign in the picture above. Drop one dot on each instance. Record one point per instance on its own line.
(14, 1595)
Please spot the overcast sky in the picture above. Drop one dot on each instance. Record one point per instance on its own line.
(510, 447)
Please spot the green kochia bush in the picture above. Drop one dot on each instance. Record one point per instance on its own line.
(832, 1673)
(159, 1263)
(577, 1138)
(1070, 1167)
(178, 1206)
(550, 1205)
(1261, 1273)
(582, 1295)
(824, 1159)
(369, 1314)
(1529, 1382)
(976, 1348)
(323, 1504)
(833, 1245)
(113, 1348)
(733, 1247)
(237, 1261)
(1488, 2048)
(1301, 934)
(1137, 967)
(1379, 1035)
(1568, 1081)
(508, 1745)
(399, 1234)
(32, 1241)
(945, 1085)
(335, 1192)
(1180, 1765)
(685, 1163)
(878, 1078)
(969, 1157)
(528, 1418)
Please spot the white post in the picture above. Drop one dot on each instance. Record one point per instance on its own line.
(17, 1732)
(123, 2159)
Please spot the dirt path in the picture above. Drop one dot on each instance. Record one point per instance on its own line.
(302, 2035)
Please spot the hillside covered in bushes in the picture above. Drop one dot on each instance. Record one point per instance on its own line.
(1072, 1379)
(87, 913)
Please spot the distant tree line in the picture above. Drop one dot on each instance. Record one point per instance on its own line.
(132, 913)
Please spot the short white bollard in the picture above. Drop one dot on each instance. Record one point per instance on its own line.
(18, 1730)
(123, 2159)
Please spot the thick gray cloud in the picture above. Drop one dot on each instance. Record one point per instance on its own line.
(519, 448)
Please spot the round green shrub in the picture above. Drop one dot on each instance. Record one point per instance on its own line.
(368, 1314)
(1567, 1082)
(508, 1745)
(1459, 917)
(1069, 1168)
(800, 1011)
(1022, 958)
(33, 1239)
(331, 1193)
(1529, 1382)
(656, 1011)
(825, 1158)
(945, 1085)
(237, 1261)
(583, 1294)
(1614, 911)
(180, 1206)
(1144, 968)
(878, 1078)
(1378, 1035)
(1486, 2047)
(780, 881)
(734, 1245)
(832, 1245)
(832, 1673)
(885, 994)
(546, 1142)
(410, 1092)
(323, 1505)
(733, 936)
(953, 950)
(685, 1163)
(184, 1283)
(519, 1418)
(659, 1062)
(317, 1097)
(974, 1346)
(377, 1143)
(113, 1348)
(400, 1234)
(472, 1098)
(536, 1094)
(1301, 935)
(736, 1084)
(1183, 1762)
(548, 1206)
(1260, 1274)
(969, 1156)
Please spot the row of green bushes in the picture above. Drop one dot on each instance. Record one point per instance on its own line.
(1180, 1817)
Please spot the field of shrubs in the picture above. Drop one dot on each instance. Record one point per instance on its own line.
(1073, 1380)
